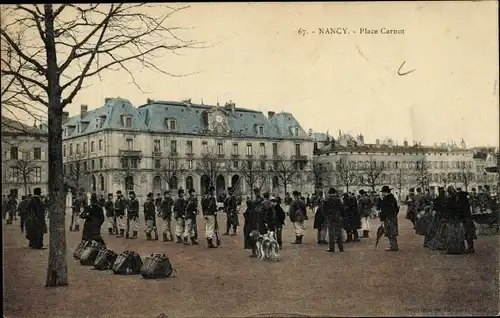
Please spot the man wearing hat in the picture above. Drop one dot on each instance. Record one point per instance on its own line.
(23, 211)
(411, 206)
(11, 207)
(365, 208)
(231, 207)
(209, 210)
(191, 209)
(333, 209)
(255, 220)
(149, 217)
(94, 218)
(179, 212)
(280, 217)
(165, 212)
(35, 223)
(110, 214)
(120, 206)
(389, 210)
(133, 215)
(297, 216)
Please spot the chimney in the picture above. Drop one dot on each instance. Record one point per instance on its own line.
(361, 140)
(83, 110)
(405, 143)
(107, 99)
(65, 117)
(377, 142)
(270, 114)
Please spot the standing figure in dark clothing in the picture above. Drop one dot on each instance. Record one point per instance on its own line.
(455, 232)
(297, 216)
(35, 221)
(411, 206)
(179, 213)
(209, 210)
(352, 220)
(246, 227)
(102, 201)
(191, 210)
(94, 218)
(231, 209)
(320, 222)
(120, 206)
(333, 209)
(150, 218)
(76, 209)
(365, 205)
(23, 211)
(434, 238)
(464, 209)
(133, 215)
(4, 206)
(109, 207)
(11, 208)
(270, 214)
(256, 219)
(280, 220)
(389, 210)
(165, 212)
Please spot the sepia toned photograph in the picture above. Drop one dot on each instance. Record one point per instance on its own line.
(267, 159)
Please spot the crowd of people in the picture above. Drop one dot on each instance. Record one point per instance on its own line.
(444, 220)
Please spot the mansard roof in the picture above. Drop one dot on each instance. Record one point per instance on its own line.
(189, 118)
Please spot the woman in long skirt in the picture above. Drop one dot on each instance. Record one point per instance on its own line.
(455, 233)
(435, 237)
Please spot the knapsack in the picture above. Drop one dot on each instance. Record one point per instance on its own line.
(127, 263)
(156, 266)
(90, 253)
(105, 259)
(80, 248)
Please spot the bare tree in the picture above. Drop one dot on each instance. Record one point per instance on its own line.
(171, 172)
(345, 173)
(126, 174)
(254, 173)
(320, 175)
(76, 175)
(286, 170)
(23, 170)
(210, 165)
(401, 180)
(371, 174)
(422, 173)
(48, 53)
(466, 175)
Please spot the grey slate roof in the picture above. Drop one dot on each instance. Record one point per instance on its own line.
(189, 119)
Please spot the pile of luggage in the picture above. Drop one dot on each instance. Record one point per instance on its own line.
(91, 253)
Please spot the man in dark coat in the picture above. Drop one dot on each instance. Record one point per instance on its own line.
(110, 214)
(464, 209)
(165, 212)
(120, 206)
(280, 220)
(389, 210)
(94, 218)
(352, 220)
(11, 208)
(76, 209)
(133, 215)
(209, 210)
(411, 206)
(35, 222)
(231, 209)
(365, 205)
(333, 209)
(269, 213)
(246, 227)
(434, 239)
(298, 216)
(179, 213)
(256, 219)
(23, 211)
(150, 217)
(320, 223)
(102, 200)
(191, 210)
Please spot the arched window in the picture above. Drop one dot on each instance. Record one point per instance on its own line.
(174, 182)
(157, 184)
(389, 165)
(94, 184)
(189, 183)
(129, 183)
(101, 177)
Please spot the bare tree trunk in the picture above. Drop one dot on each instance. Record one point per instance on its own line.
(57, 270)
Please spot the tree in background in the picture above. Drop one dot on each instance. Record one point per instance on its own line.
(345, 173)
(254, 172)
(371, 174)
(422, 173)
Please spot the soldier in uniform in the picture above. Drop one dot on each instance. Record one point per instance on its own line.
(149, 217)
(209, 210)
(191, 209)
(280, 220)
(133, 214)
(288, 202)
(231, 208)
(110, 214)
(35, 223)
(297, 216)
(320, 223)
(23, 211)
(179, 212)
(165, 212)
(333, 210)
(120, 206)
(389, 210)
(158, 202)
(102, 201)
(365, 208)
(11, 208)
(76, 209)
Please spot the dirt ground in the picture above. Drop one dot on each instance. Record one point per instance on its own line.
(362, 281)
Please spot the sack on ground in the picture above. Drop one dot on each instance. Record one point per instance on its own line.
(127, 263)
(455, 238)
(105, 259)
(156, 266)
(80, 248)
(90, 253)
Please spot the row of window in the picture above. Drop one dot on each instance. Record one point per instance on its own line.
(31, 175)
(297, 165)
(17, 154)
(77, 148)
(410, 164)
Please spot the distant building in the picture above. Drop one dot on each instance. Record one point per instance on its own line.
(163, 144)
(350, 162)
(24, 158)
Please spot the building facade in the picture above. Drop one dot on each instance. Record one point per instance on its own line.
(168, 145)
(24, 158)
(350, 164)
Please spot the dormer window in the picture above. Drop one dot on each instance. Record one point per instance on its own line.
(102, 120)
(296, 131)
(261, 130)
(126, 121)
(172, 124)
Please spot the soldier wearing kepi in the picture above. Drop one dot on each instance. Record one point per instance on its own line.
(133, 214)
(179, 212)
(110, 214)
(209, 209)
(231, 206)
(333, 210)
(120, 206)
(166, 215)
(297, 216)
(149, 216)
(191, 207)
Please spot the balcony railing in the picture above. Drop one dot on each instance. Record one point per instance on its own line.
(189, 154)
(157, 153)
(299, 157)
(235, 155)
(130, 153)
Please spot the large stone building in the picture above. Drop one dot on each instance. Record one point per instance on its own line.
(351, 164)
(165, 144)
(24, 158)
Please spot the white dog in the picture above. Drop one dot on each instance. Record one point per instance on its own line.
(266, 245)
